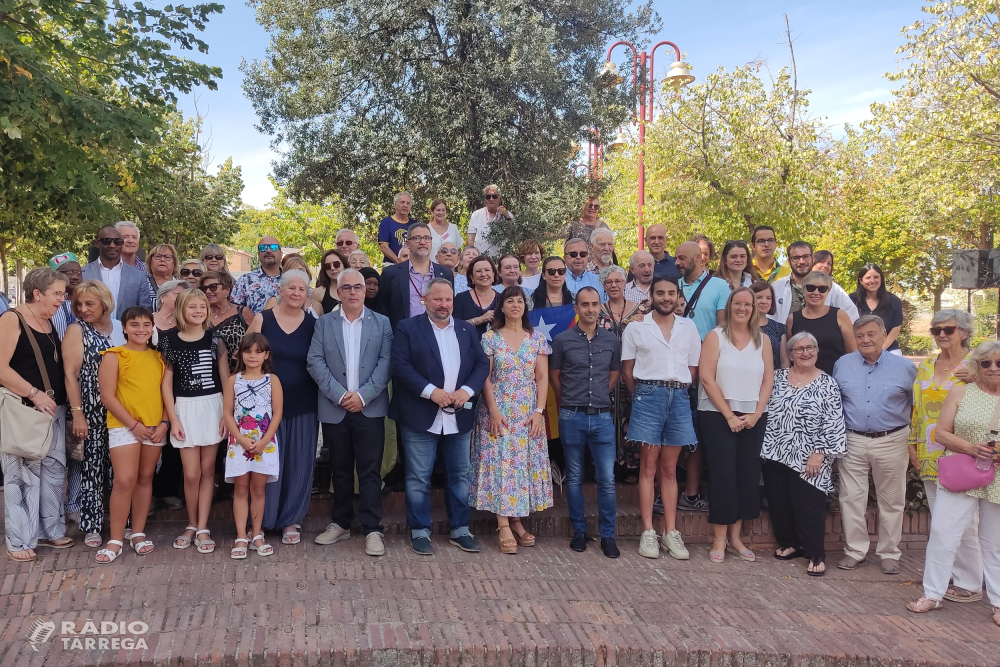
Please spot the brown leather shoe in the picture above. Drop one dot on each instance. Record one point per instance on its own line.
(850, 563)
(890, 566)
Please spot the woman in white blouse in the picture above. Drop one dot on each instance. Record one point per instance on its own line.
(736, 373)
(442, 231)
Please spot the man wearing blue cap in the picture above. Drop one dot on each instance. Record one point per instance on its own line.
(68, 265)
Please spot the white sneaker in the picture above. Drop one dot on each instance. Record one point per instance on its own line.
(374, 545)
(674, 544)
(648, 547)
(333, 533)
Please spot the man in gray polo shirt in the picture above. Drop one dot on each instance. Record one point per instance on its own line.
(583, 368)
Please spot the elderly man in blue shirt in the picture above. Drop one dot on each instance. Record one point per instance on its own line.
(877, 391)
(575, 253)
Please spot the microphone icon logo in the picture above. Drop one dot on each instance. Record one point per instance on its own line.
(41, 631)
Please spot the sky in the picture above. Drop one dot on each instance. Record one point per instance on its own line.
(842, 50)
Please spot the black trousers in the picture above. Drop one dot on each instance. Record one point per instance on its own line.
(798, 510)
(357, 442)
(733, 468)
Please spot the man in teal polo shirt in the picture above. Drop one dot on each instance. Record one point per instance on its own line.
(705, 304)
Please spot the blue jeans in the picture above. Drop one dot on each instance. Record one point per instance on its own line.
(577, 431)
(421, 450)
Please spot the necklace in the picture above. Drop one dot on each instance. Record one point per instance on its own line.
(48, 334)
(479, 302)
(621, 316)
(797, 384)
(106, 333)
(223, 313)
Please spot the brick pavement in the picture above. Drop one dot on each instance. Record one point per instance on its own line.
(545, 606)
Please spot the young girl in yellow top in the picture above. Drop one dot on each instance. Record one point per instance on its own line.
(129, 380)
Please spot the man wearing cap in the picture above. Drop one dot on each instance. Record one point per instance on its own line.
(129, 286)
(68, 265)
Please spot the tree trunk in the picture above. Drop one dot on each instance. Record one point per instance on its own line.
(3, 265)
(937, 297)
(19, 274)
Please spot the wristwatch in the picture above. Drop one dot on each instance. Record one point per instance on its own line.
(540, 411)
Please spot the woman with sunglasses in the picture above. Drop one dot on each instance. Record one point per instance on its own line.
(162, 266)
(936, 376)
(330, 266)
(872, 298)
(964, 427)
(192, 270)
(476, 305)
(214, 257)
(442, 231)
(733, 265)
(229, 320)
(588, 222)
(828, 324)
(553, 291)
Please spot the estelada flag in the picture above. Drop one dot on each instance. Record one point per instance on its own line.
(551, 322)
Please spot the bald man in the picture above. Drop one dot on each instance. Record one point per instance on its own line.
(656, 244)
(254, 288)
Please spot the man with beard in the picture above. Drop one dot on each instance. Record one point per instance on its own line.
(401, 286)
(129, 286)
(68, 265)
(660, 357)
(575, 255)
(602, 250)
(789, 293)
(254, 288)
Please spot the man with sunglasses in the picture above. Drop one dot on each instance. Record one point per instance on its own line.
(764, 266)
(447, 255)
(877, 391)
(481, 223)
(129, 286)
(347, 242)
(789, 292)
(575, 253)
(254, 288)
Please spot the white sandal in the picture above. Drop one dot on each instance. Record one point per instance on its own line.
(91, 538)
(238, 552)
(292, 536)
(111, 555)
(141, 545)
(183, 542)
(204, 546)
(262, 550)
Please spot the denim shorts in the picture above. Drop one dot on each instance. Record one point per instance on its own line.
(661, 416)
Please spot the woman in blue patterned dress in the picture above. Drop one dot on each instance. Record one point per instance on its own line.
(510, 454)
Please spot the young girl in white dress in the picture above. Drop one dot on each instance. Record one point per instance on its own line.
(252, 409)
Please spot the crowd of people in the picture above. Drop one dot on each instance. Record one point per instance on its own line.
(165, 377)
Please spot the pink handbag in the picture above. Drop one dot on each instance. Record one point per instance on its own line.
(958, 472)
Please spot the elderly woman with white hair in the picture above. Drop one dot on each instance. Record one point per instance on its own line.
(936, 376)
(289, 330)
(967, 426)
(805, 433)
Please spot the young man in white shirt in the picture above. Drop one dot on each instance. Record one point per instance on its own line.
(660, 358)
(788, 291)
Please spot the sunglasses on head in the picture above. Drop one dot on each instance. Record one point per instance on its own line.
(492, 196)
(211, 288)
(330, 266)
(822, 289)
(947, 331)
(556, 272)
(264, 247)
(191, 272)
(107, 241)
(217, 258)
(577, 253)
(988, 363)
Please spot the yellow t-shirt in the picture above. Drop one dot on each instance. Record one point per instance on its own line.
(139, 377)
(777, 271)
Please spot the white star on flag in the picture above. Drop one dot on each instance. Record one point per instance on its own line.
(544, 328)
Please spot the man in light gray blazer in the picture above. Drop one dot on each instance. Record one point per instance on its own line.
(349, 360)
(129, 286)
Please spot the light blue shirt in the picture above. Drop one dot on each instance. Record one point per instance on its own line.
(461, 283)
(876, 397)
(587, 279)
(711, 300)
(4, 304)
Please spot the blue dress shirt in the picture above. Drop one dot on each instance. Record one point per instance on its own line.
(879, 396)
(586, 279)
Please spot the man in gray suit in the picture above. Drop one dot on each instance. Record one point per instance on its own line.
(349, 360)
(129, 286)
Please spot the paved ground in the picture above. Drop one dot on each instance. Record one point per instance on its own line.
(545, 606)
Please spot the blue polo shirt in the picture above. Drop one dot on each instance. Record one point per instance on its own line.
(711, 300)
(586, 279)
(666, 267)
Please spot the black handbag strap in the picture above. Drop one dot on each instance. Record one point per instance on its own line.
(689, 308)
(38, 352)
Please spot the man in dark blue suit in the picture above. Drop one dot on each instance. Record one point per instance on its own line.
(402, 286)
(438, 365)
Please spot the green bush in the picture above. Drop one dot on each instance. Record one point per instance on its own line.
(916, 345)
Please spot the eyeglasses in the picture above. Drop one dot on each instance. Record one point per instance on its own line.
(988, 363)
(577, 253)
(822, 289)
(351, 288)
(211, 288)
(800, 258)
(770, 241)
(805, 349)
(70, 272)
(217, 258)
(264, 247)
(947, 331)
(492, 197)
(556, 272)
(420, 239)
(330, 266)
(348, 242)
(619, 282)
(107, 241)
(156, 256)
(191, 272)
(448, 251)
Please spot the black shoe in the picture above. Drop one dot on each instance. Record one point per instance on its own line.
(464, 542)
(658, 506)
(579, 542)
(610, 548)
(421, 545)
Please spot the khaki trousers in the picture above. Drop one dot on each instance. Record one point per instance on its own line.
(887, 459)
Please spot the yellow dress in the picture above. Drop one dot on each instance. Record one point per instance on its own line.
(927, 401)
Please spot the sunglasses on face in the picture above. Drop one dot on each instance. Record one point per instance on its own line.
(330, 266)
(107, 242)
(594, 207)
(556, 272)
(947, 331)
(211, 288)
(264, 247)
(492, 196)
(822, 289)
(217, 258)
(577, 253)
(449, 251)
(340, 243)
(989, 363)
(191, 272)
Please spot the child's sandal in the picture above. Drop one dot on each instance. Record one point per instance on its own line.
(204, 546)
(264, 549)
(238, 552)
(141, 545)
(182, 542)
(109, 554)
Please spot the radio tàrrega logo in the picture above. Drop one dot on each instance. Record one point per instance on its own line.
(41, 631)
(110, 635)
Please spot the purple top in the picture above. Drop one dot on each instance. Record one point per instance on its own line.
(417, 284)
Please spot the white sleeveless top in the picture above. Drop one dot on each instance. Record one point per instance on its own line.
(739, 375)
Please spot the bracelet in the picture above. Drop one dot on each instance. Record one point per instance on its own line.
(134, 425)
(33, 391)
(731, 417)
(79, 408)
(164, 421)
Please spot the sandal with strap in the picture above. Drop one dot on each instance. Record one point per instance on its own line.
(523, 539)
(31, 555)
(183, 542)
(204, 546)
(791, 555)
(924, 605)
(996, 615)
(141, 545)
(718, 556)
(238, 552)
(959, 594)
(509, 545)
(58, 543)
(109, 554)
(744, 553)
(93, 540)
(814, 563)
(291, 536)
(264, 549)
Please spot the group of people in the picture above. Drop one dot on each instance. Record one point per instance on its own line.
(759, 371)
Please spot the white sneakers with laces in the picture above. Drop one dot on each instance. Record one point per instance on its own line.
(674, 544)
(648, 546)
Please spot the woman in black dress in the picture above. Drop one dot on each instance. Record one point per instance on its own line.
(829, 325)
(872, 298)
(330, 266)
(476, 305)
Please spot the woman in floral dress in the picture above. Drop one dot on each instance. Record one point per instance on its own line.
(510, 456)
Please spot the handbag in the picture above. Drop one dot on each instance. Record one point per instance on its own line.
(24, 431)
(958, 472)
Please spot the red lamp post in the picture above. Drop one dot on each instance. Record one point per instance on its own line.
(642, 63)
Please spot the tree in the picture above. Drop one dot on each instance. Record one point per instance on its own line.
(439, 97)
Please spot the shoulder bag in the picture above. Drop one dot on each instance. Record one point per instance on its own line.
(24, 431)
(958, 472)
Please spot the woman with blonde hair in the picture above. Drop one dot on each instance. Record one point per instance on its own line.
(588, 222)
(214, 257)
(530, 252)
(192, 270)
(162, 265)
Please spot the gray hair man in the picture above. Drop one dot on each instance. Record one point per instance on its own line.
(602, 250)
(642, 265)
(392, 230)
(347, 242)
(130, 237)
(482, 219)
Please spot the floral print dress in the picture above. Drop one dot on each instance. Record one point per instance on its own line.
(928, 398)
(252, 412)
(509, 475)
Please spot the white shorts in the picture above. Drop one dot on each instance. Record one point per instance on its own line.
(200, 417)
(120, 436)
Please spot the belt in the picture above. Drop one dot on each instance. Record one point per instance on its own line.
(584, 408)
(670, 384)
(877, 434)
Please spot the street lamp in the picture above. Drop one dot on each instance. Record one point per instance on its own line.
(678, 76)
